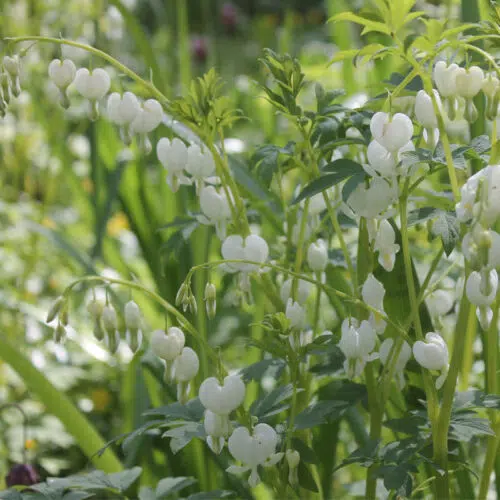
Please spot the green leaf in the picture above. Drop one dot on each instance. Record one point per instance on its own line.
(369, 25)
(365, 456)
(271, 403)
(256, 371)
(398, 478)
(466, 425)
(319, 413)
(422, 215)
(170, 485)
(306, 479)
(192, 411)
(343, 166)
(211, 495)
(411, 424)
(182, 435)
(446, 226)
(476, 399)
(352, 183)
(307, 454)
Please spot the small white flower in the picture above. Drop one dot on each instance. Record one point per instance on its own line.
(403, 358)
(222, 399)
(62, 73)
(167, 346)
(357, 344)
(217, 428)
(372, 201)
(149, 116)
(424, 109)
(491, 84)
(200, 164)
(92, 85)
(303, 291)
(469, 81)
(11, 65)
(253, 248)
(293, 460)
(186, 365)
(433, 355)
(440, 302)
(173, 156)
(296, 314)
(481, 290)
(392, 132)
(317, 255)
(122, 110)
(258, 448)
(132, 315)
(445, 78)
(373, 293)
(386, 246)
(215, 208)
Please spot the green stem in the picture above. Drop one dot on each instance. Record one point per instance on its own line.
(184, 54)
(118, 65)
(57, 403)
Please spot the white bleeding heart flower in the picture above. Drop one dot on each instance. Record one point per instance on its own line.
(440, 302)
(218, 428)
(357, 343)
(481, 290)
(492, 202)
(200, 163)
(62, 73)
(303, 291)
(122, 109)
(371, 201)
(433, 355)
(373, 293)
(424, 109)
(494, 251)
(403, 358)
(149, 116)
(132, 315)
(317, 255)
(167, 346)
(386, 246)
(253, 449)
(222, 399)
(215, 209)
(296, 314)
(393, 132)
(445, 78)
(253, 247)
(469, 81)
(293, 461)
(381, 160)
(491, 85)
(173, 155)
(186, 365)
(92, 85)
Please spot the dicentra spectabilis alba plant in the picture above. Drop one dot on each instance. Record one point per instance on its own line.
(364, 212)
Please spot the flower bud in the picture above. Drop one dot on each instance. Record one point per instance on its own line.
(293, 460)
(59, 333)
(317, 256)
(109, 319)
(167, 346)
(186, 365)
(11, 65)
(296, 314)
(54, 310)
(22, 475)
(217, 428)
(181, 294)
(210, 299)
(132, 316)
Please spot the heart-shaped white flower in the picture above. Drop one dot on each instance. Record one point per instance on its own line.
(62, 73)
(148, 117)
(386, 246)
(491, 84)
(122, 110)
(481, 293)
(222, 399)
(92, 85)
(200, 163)
(317, 255)
(186, 365)
(214, 205)
(424, 109)
(253, 247)
(469, 81)
(392, 132)
(433, 355)
(445, 78)
(167, 346)
(253, 449)
(173, 155)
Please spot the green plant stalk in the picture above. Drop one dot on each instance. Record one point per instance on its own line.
(490, 352)
(441, 482)
(58, 404)
(468, 355)
(299, 255)
(99, 53)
